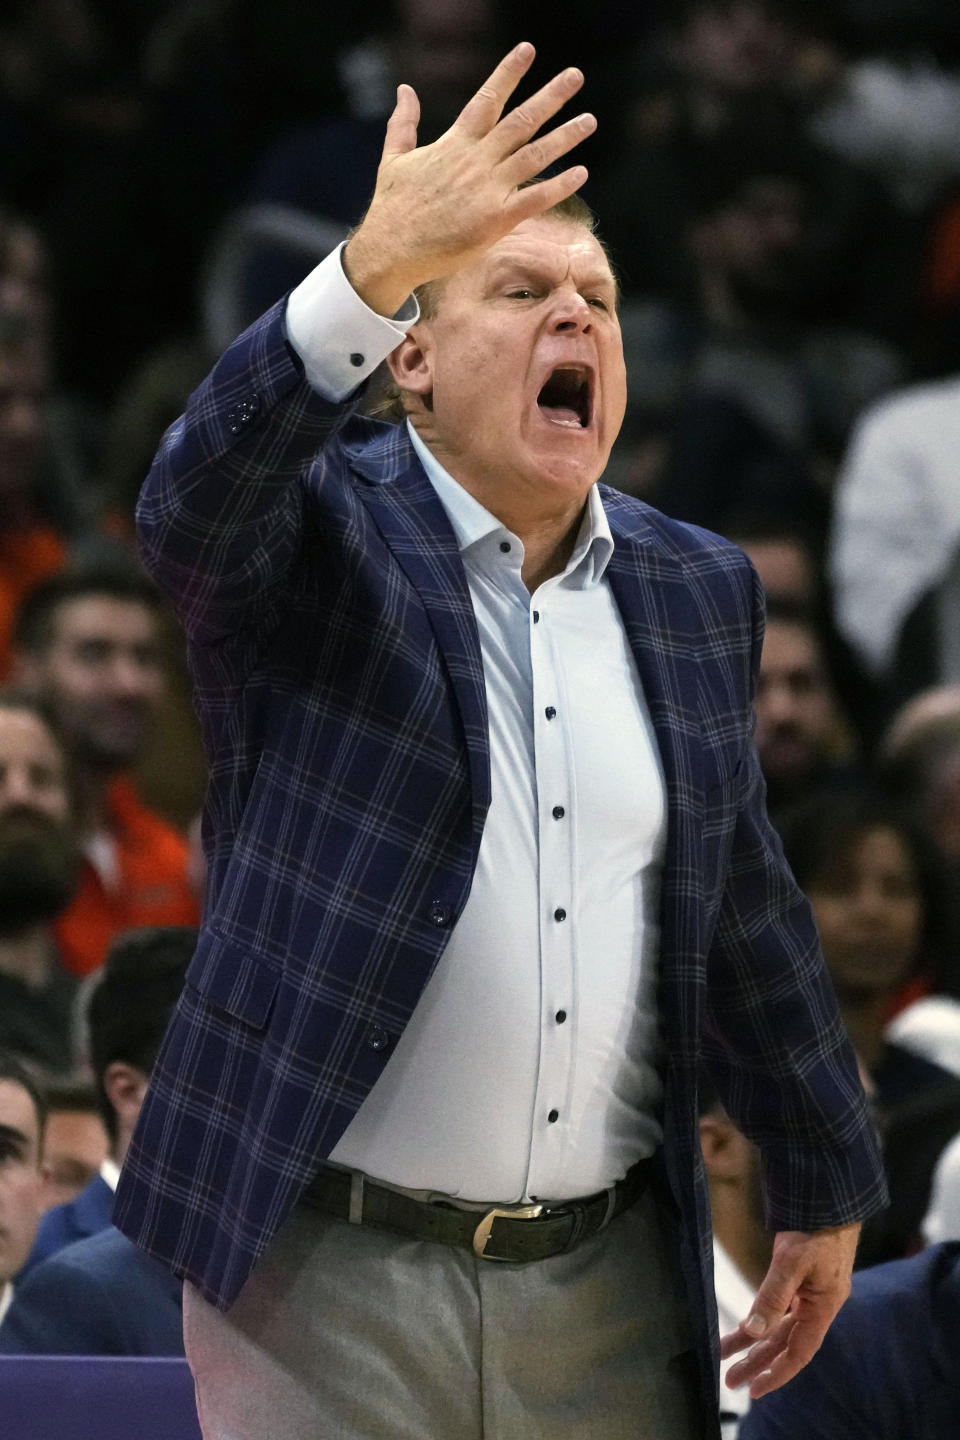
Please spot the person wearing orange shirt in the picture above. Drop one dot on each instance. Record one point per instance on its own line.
(88, 642)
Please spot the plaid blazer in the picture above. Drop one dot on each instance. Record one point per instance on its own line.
(339, 684)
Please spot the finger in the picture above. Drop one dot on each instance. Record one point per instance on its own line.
(531, 159)
(401, 136)
(537, 199)
(803, 1344)
(481, 113)
(772, 1300)
(737, 1340)
(762, 1354)
(517, 127)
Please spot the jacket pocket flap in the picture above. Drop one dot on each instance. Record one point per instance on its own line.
(228, 975)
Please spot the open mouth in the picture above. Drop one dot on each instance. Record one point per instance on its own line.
(565, 398)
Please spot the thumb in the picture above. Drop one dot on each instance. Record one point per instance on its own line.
(772, 1300)
(401, 135)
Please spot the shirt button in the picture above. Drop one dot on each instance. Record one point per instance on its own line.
(377, 1038)
(505, 546)
(536, 617)
(554, 1116)
(560, 1016)
(550, 712)
(356, 359)
(440, 914)
(559, 913)
(558, 812)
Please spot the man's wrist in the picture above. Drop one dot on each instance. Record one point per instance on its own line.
(375, 276)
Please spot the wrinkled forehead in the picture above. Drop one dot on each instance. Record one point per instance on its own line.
(551, 244)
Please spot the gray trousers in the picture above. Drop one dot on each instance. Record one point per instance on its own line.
(349, 1333)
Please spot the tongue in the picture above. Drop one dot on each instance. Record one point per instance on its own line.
(561, 415)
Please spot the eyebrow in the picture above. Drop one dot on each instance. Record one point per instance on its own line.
(533, 270)
(10, 1133)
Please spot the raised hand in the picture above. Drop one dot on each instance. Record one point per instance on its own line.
(437, 207)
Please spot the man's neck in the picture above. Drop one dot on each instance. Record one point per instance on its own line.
(864, 1015)
(93, 801)
(27, 957)
(544, 521)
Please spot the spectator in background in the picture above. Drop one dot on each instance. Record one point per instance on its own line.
(75, 1142)
(39, 866)
(888, 1367)
(798, 731)
(127, 1015)
(21, 1169)
(764, 393)
(30, 549)
(880, 915)
(86, 1289)
(782, 554)
(742, 1244)
(942, 1220)
(713, 66)
(920, 757)
(789, 563)
(88, 642)
(895, 541)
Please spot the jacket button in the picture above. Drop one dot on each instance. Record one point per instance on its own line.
(243, 414)
(377, 1038)
(440, 914)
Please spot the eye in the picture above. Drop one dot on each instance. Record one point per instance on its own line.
(521, 293)
(598, 302)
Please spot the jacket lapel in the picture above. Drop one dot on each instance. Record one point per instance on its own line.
(406, 510)
(660, 622)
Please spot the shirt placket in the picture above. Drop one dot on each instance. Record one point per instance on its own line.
(557, 900)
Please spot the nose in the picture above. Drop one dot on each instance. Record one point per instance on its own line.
(778, 701)
(16, 787)
(128, 676)
(571, 314)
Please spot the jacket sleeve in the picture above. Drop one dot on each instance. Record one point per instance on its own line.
(220, 516)
(773, 1035)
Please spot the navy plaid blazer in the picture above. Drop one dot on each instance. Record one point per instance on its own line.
(339, 685)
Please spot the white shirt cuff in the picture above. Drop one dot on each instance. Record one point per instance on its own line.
(339, 338)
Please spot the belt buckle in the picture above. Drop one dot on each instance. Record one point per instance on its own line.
(482, 1233)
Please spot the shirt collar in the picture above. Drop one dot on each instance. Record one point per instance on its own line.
(471, 522)
(110, 1172)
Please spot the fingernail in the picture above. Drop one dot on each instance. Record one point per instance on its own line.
(523, 50)
(756, 1326)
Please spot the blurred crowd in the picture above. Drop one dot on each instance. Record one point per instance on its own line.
(779, 183)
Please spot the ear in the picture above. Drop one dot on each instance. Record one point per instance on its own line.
(125, 1086)
(718, 1138)
(411, 364)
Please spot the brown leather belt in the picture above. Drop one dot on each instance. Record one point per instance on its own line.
(517, 1233)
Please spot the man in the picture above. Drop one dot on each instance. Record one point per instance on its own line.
(88, 642)
(888, 1367)
(742, 1244)
(75, 1141)
(457, 823)
(21, 1169)
(86, 1290)
(798, 721)
(127, 1014)
(39, 858)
